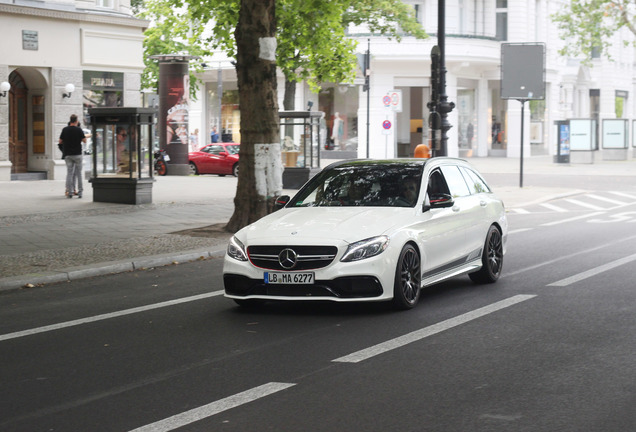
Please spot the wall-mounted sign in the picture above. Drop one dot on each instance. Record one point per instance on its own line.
(30, 40)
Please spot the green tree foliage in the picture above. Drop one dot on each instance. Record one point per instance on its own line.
(172, 31)
(311, 34)
(589, 25)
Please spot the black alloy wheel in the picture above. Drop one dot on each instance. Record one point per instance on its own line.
(408, 279)
(492, 258)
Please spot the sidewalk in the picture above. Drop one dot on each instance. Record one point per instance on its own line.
(45, 237)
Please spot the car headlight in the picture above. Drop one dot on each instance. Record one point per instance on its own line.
(365, 248)
(236, 249)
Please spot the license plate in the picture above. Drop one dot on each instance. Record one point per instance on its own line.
(289, 278)
(166, 158)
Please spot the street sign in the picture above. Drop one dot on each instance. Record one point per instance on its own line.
(386, 101)
(386, 127)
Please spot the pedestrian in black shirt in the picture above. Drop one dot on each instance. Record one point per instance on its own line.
(71, 139)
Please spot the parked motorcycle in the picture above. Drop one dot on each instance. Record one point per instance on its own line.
(161, 157)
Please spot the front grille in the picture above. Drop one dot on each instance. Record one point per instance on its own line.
(348, 287)
(307, 257)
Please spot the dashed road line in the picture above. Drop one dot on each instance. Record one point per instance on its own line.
(593, 272)
(196, 414)
(417, 335)
(106, 316)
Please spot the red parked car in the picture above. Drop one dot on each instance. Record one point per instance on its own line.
(218, 158)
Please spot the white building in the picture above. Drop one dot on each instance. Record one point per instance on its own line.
(92, 47)
(482, 123)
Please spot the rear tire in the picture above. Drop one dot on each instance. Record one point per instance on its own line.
(408, 279)
(491, 258)
(161, 168)
(235, 169)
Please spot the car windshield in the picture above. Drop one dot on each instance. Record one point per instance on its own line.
(363, 184)
(232, 149)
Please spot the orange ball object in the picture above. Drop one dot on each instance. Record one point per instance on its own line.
(422, 151)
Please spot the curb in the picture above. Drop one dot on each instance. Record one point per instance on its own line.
(112, 267)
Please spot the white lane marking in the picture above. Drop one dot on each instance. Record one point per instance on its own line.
(107, 316)
(593, 272)
(584, 204)
(608, 200)
(430, 330)
(196, 414)
(572, 219)
(554, 208)
(520, 230)
(623, 194)
(567, 257)
(520, 211)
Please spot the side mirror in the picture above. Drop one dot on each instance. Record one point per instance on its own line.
(281, 202)
(224, 154)
(438, 200)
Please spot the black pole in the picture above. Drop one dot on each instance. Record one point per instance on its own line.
(444, 107)
(367, 81)
(523, 102)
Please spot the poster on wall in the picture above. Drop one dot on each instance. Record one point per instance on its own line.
(174, 104)
(614, 134)
(581, 138)
(564, 140)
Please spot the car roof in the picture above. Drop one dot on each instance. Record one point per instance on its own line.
(397, 161)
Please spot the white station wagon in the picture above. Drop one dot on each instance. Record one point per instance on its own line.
(371, 230)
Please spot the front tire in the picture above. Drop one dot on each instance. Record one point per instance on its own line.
(193, 169)
(491, 258)
(408, 279)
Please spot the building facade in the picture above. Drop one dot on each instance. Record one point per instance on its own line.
(483, 124)
(59, 58)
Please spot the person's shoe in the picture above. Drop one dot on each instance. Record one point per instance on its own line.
(79, 195)
(69, 196)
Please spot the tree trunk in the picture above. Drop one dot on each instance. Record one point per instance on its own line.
(290, 95)
(261, 169)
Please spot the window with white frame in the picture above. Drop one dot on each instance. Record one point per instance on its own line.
(105, 3)
(502, 20)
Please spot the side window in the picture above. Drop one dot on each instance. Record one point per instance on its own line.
(215, 149)
(475, 182)
(455, 181)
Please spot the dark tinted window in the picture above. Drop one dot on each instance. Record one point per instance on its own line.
(363, 184)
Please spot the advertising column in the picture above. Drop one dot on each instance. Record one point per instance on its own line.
(174, 96)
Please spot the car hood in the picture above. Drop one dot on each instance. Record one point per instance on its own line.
(347, 224)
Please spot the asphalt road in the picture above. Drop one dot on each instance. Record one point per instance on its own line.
(551, 346)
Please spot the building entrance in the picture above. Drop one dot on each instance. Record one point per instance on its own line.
(18, 150)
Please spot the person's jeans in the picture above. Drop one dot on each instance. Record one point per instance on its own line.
(74, 171)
